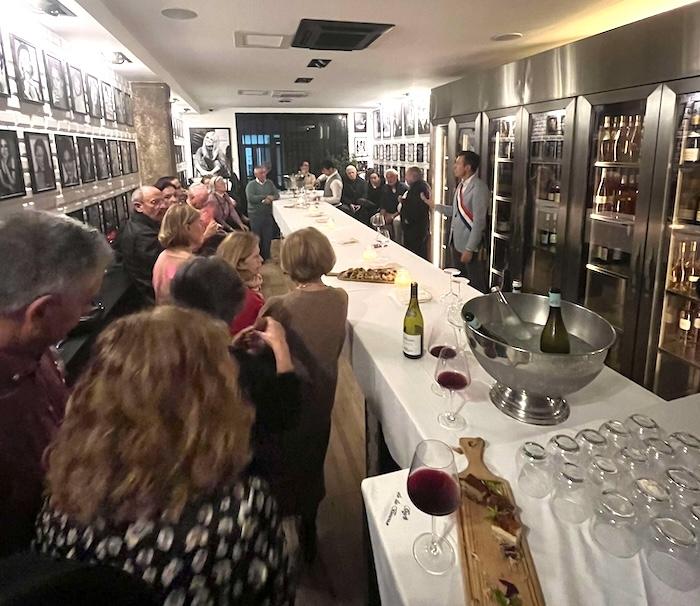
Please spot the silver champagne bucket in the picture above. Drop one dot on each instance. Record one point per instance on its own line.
(530, 385)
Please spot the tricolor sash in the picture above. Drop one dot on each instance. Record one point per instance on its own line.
(466, 214)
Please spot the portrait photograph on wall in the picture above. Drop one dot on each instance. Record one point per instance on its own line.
(126, 160)
(128, 110)
(119, 106)
(209, 147)
(26, 71)
(41, 168)
(101, 159)
(110, 218)
(396, 120)
(93, 95)
(87, 160)
(409, 118)
(114, 164)
(11, 175)
(402, 152)
(122, 208)
(386, 123)
(411, 152)
(77, 90)
(133, 157)
(108, 102)
(423, 118)
(56, 79)
(360, 147)
(4, 80)
(377, 124)
(93, 216)
(360, 125)
(67, 160)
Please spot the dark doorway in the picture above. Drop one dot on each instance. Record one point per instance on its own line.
(283, 141)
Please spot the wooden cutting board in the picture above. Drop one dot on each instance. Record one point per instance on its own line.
(483, 564)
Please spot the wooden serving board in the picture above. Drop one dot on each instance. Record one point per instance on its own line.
(341, 276)
(483, 563)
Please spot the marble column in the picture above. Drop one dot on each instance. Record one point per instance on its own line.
(154, 130)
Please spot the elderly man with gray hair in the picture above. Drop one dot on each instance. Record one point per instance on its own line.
(52, 269)
(260, 193)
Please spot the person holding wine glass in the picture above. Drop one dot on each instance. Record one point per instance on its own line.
(452, 374)
(433, 487)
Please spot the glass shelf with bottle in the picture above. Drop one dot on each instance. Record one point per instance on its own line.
(619, 140)
(684, 268)
(681, 330)
(689, 156)
(616, 194)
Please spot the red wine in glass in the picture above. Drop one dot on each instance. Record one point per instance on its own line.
(446, 351)
(433, 491)
(452, 374)
(454, 381)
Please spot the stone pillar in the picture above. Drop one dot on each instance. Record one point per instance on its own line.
(154, 130)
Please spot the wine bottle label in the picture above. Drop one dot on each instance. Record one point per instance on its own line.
(553, 238)
(412, 344)
(693, 279)
(686, 213)
(544, 238)
(697, 216)
(684, 323)
(557, 197)
(691, 154)
(550, 196)
(600, 203)
(696, 323)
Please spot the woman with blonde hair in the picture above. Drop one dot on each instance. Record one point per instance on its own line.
(226, 211)
(314, 317)
(145, 473)
(181, 233)
(241, 250)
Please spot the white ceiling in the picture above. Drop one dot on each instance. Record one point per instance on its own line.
(432, 43)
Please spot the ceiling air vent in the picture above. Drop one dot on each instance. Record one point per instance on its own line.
(337, 35)
(319, 63)
(253, 92)
(289, 94)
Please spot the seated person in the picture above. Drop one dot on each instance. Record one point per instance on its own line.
(354, 199)
(226, 211)
(146, 472)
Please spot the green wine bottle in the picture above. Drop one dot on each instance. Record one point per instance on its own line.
(555, 338)
(413, 327)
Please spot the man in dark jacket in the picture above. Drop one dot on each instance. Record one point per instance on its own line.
(137, 243)
(391, 195)
(354, 201)
(416, 205)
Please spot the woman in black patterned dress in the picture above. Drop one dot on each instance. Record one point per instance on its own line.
(145, 473)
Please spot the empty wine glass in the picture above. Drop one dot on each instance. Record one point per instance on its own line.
(660, 454)
(563, 449)
(603, 473)
(591, 442)
(378, 222)
(452, 374)
(450, 297)
(683, 485)
(433, 487)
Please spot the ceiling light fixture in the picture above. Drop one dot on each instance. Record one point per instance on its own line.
(507, 37)
(179, 14)
(319, 63)
(253, 92)
(260, 40)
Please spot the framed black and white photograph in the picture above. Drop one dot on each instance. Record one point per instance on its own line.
(108, 102)
(360, 122)
(386, 123)
(41, 168)
(114, 164)
(87, 160)
(67, 160)
(377, 123)
(411, 152)
(387, 152)
(93, 95)
(26, 71)
(128, 110)
(93, 216)
(56, 79)
(78, 215)
(380, 152)
(427, 152)
(209, 157)
(133, 157)
(4, 80)
(394, 152)
(360, 147)
(409, 118)
(110, 218)
(11, 174)
(402, 174)
(101, 159)
(119, 106)
(423, 117)
(122, 208)
(419, 152)
(396, 120)
(402, 152)
(126, 159)
(77, 90)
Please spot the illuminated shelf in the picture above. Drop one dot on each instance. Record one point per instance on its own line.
(605, 271)
(501, 236)
(617, 164)
(682, 352)
(618, 219)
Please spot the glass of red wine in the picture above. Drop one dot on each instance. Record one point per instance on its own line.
(452, 375)
(433, 487)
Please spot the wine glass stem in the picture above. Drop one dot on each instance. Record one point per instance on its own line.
(450, 414)
(434, 547)
(464, 401)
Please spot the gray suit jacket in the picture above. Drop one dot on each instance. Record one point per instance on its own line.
(476, 198)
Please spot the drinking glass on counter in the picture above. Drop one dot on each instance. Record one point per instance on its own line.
(452, 374)
(534, 472)
(570, 502)
(683, 485)
(660, 454)
(563, 449)
(613, 524)
(694, 518)
(633, 462)
(603, 473)
(671, 552)
(433, 487)
(591, 443)
(650, 497)
(687, 448)
(642, 427)
(616, 433)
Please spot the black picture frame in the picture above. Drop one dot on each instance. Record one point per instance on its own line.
(115, 166)
(41, 167)
(402, 173)
(87, 159)
(387, 151)
(101, 159)
(67, 161)
(11, 173)
(119, 105)
(77, 90)
(56, 81)
(28, 83)
(78, 215)
(397, 121)
(208, 147)
(377, 115)
(409, 118)
(423, 118)
(92, 89)
(411, 152)
(4, 78)
(110, 218)
(419, 152)
(394, 152)
(402, 152)
(93, 216)
(128, 110)
(124, 154)
(360, 122)
(122, 209)
(133, 157)
(108, 103)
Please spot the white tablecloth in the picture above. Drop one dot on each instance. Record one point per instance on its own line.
(572, 569)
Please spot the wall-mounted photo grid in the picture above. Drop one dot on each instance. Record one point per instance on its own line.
(82, 160)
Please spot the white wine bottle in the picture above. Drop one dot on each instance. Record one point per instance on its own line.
(413, 327)
(555, 338)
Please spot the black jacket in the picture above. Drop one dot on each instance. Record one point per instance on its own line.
(353, 191)
(138, 248)
(390, 198)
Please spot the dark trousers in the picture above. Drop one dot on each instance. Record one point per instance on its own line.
(416, 242)
(265, 227)
(475, 270)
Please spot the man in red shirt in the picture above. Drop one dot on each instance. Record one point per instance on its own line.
(52, 267)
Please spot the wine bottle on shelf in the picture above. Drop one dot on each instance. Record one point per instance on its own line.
(685, 323)
(556, 188)
(691, 152)
(550, 190)
(692, 271)
(678, 270)
(695, 328)
(553, 234)
(544, 231)
(555, 338)
(602, 196)
(635, 138)
(621, 147)
(605, 141)
(413, 327)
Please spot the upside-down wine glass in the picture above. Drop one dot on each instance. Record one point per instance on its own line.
(452, 374)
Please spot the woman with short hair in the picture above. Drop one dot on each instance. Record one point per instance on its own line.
(314, 317)
(146, 471)
(181, 233)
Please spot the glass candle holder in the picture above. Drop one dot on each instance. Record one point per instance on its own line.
(671, 552)
(687, 447)
(563, 449)
(603, 473)
(642, 427)
(659, 453)
(683, 485)
(616, 433)
(534, 472)
(591, 443)
(570, 502)
(613, 524)
(650, 497)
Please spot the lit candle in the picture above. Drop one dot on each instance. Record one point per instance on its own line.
(403, 277)
(369, 254)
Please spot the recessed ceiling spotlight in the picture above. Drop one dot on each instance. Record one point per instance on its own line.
(180, 14)
(507, 37)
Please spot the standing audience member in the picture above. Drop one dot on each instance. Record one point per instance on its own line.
(226, 211)
(137, 242)
(314, 317)
(332, 183)
(169, 191)
(260, 193)
(181, 233)
(241, 250)
(416, 205)
(392, 193)
(146, 473)
(52, 268)
(309, 177)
